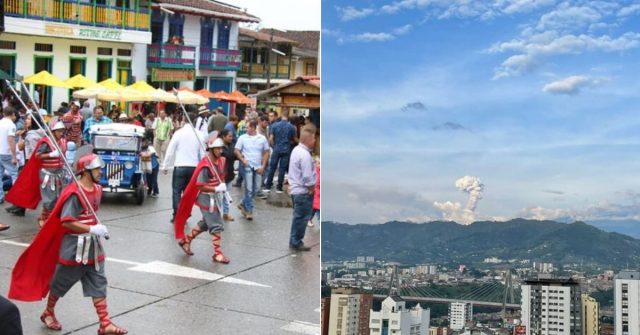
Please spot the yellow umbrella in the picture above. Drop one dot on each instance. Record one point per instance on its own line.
(111, 84)
(91, 92)
(125, 94)
(80, 81)
(142, 86)
(45, 78)
(187, 98)
(159, 95)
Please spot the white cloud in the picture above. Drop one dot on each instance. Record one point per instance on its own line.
(629, 10)
(568, 18)
(351, 13)
(515, 65)
(402, 30)
(570, 85)
(373, 37)
(551, 43)
(519, 6)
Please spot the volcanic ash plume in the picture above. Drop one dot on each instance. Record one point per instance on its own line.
(453, 211)
(474, 187)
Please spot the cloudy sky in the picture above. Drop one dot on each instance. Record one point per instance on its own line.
(539, 100)
(278, 13)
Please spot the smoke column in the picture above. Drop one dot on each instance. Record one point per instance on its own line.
(474, 187)
(453, 211)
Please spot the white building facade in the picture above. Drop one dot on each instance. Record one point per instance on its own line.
(395, 319)
(551, 307)
(627, 303)
(459, 314)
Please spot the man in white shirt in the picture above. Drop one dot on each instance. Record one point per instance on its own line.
(183, 153)
(8, 158)
(202, 122)
(252, 149)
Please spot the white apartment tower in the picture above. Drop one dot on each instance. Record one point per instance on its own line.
(627, 300)
(551, 307)
(459, 314)
(395, 319)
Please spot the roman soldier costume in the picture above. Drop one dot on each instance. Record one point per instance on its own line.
(46, 174)
(210, 203)
(59, 257)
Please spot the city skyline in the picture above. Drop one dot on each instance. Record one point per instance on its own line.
(535, 99)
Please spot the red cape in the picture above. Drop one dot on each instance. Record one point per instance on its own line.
(191, 193)
(33, 271)
(26, 190)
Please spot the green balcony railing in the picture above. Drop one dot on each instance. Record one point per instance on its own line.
(82, 13)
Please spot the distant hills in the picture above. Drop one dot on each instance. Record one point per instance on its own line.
(446, 242)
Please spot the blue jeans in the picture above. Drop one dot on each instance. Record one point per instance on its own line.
(252, 181)
(226, 204)
(283, 159)
(152, 181)
(12, 171)
(302, 209)
(179, 181)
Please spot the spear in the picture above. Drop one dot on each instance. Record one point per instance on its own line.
(49, 134)
(215, 172)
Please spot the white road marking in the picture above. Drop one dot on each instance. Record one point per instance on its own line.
(302, 327)
(164, 268)
(123, 261)
(15, 243)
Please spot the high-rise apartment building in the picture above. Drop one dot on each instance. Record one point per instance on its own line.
(551, 307)
(627, 300)
(395, 318)
(590, 316)
(349, 312)
(459, 314)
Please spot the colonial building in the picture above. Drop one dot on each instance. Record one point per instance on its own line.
(95, 38)
(195, 44)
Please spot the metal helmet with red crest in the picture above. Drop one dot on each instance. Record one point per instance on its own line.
(89, 162)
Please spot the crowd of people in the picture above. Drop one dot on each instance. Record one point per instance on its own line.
(206, 152)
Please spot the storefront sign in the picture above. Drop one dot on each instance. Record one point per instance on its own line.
(172, 75)
(90, 33)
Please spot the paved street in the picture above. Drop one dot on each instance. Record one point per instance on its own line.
(154, 288)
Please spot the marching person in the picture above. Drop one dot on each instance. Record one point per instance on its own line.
(207, 190)
(68, 250)
(302, 182)
(45, 173)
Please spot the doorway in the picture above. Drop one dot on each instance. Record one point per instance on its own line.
(43, 63)
(104, 69)
(219, 84)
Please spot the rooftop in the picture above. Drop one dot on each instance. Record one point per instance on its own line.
(306, 39)
(266, 36)
(207, 8)
(628, 275)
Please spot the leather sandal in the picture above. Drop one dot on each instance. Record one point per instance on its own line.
(219, 257)
(115, 330)
(53, 324)
(186, 247)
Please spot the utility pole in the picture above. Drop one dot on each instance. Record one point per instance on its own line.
(269, 60)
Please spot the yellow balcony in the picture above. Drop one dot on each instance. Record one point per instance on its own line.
(76, 12)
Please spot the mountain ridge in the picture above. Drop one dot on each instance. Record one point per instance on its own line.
(446, 241)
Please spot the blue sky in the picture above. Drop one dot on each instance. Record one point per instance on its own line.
(539, 100)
